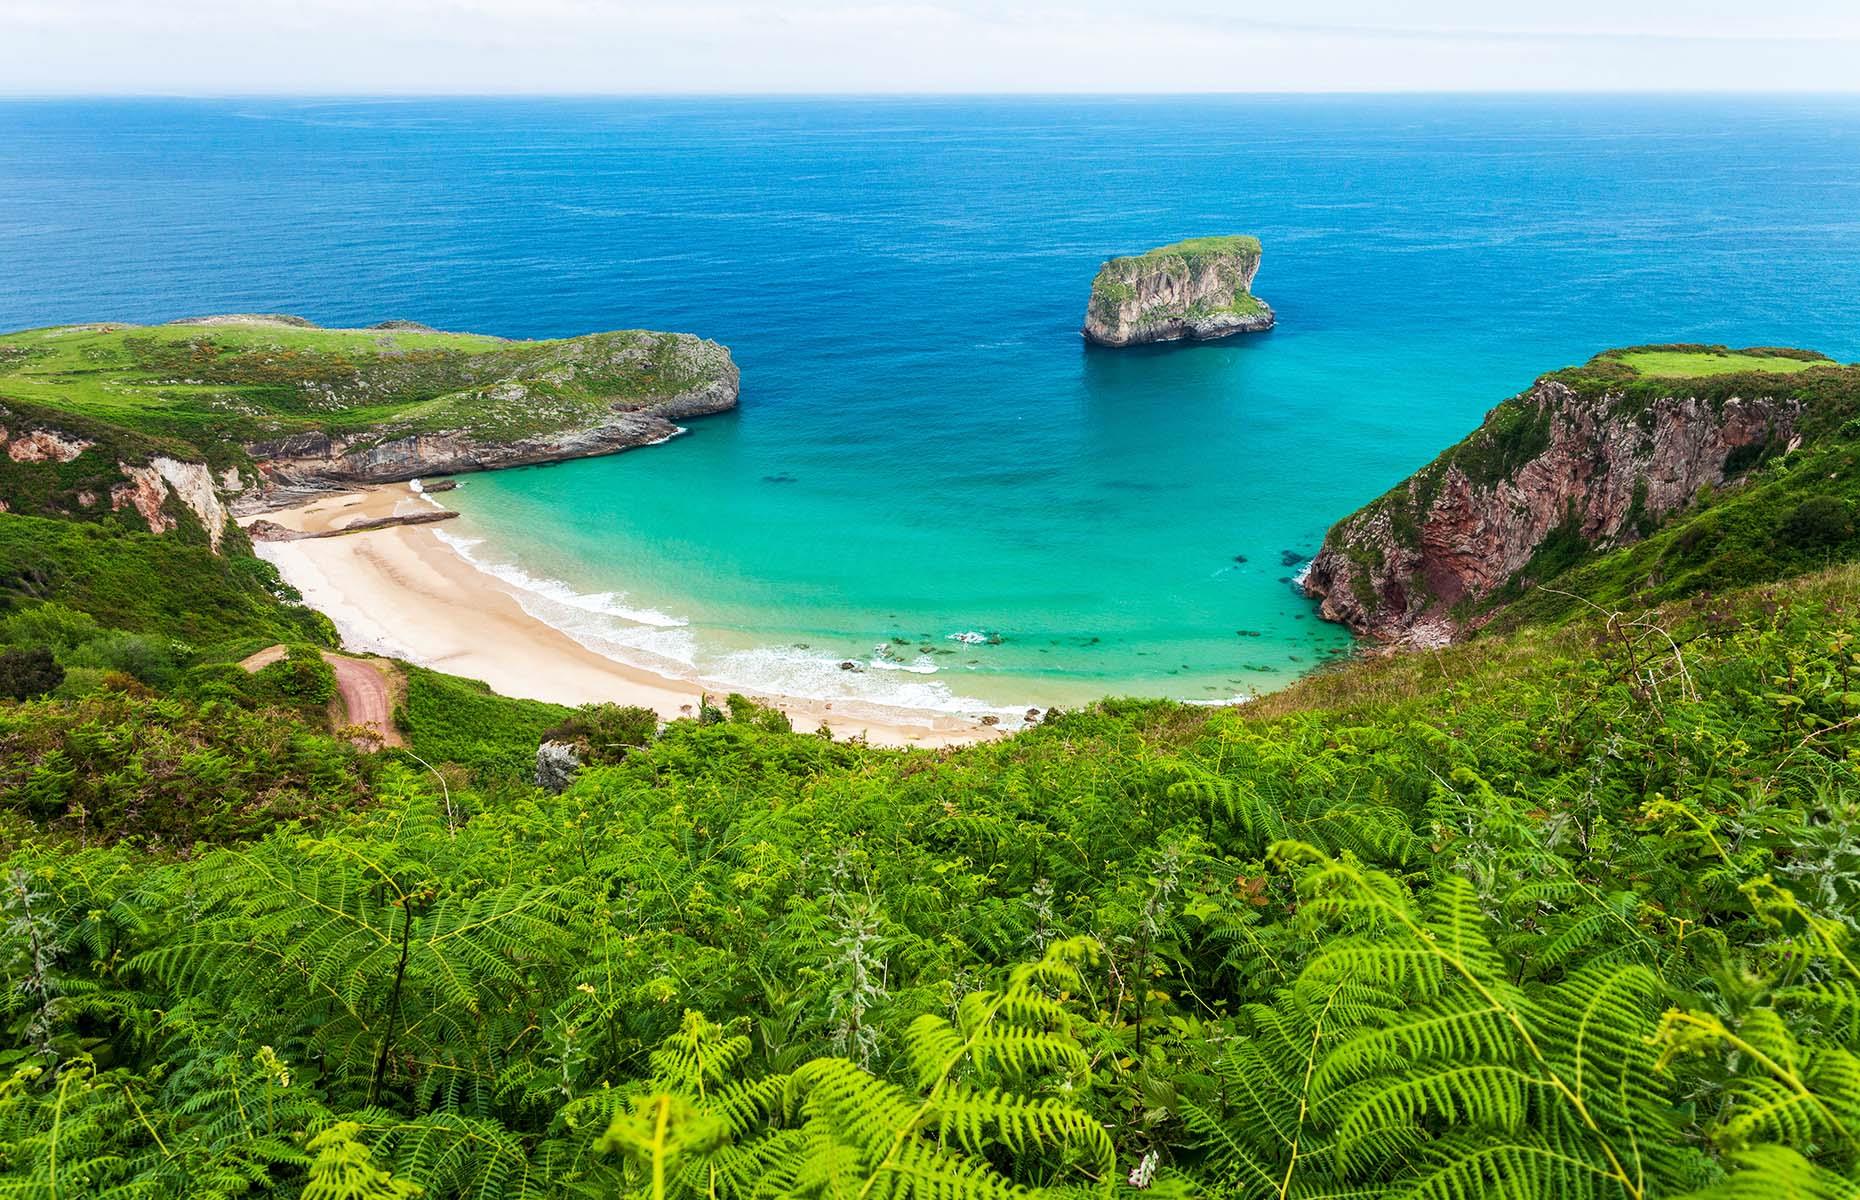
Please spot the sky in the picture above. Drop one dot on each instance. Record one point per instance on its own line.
(218, 47)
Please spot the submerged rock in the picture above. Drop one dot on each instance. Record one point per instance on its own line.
(1196, 289)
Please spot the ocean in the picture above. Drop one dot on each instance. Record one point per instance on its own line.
(930, 476)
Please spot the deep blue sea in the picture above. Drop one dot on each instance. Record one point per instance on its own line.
(925, 448)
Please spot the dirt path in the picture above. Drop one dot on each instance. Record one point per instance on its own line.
(365, 687)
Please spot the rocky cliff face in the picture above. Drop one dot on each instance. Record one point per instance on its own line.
(1197, 289)
(146, 489)
(316, 460)
(1554, 470)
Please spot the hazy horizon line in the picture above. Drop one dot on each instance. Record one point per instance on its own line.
(798, 94)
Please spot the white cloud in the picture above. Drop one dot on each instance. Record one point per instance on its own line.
(396, 46)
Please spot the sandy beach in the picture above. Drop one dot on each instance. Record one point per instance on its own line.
(402, 592)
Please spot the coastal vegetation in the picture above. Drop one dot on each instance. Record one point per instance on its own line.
(1193, 250)
(1567, 910)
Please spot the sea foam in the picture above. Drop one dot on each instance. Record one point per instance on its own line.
(657, 641)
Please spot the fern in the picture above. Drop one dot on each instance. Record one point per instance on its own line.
(840, 1130)
(342, 1169)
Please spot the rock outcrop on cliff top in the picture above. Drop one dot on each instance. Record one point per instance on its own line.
(1587, 459)
(1197, 289)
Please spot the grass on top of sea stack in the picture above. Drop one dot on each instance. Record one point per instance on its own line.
(1197, 247)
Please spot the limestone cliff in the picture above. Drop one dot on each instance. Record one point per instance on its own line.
(1590, 458)
(1197, 289)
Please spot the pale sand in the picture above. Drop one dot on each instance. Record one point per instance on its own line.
(403, 593)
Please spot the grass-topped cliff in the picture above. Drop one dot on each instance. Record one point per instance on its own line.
(1646, 474)
(1567, 911)
(1196, 289)
(262, 399)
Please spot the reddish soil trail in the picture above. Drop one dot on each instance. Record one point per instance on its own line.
(364, 690)
(363, 685)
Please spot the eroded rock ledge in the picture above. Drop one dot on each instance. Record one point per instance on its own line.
(1197, 289)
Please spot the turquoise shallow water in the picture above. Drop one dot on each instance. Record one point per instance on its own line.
(925, 447)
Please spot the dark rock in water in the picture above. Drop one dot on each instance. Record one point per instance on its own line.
(784, 477)
(439, 485)
(1285, 579)
(995, 639)
(1239, 558)
(1246, 633)
(849, 665)
(557, 764)
(991, 719)
(1033, 716)
(1291, 558)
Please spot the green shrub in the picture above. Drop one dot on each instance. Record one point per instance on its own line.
(28, 673)
(80, 682)
(301, 679)
(149, 659)
(744, 711)
(1819, 521)
(120, 763)
(49, 624)
(603, 733)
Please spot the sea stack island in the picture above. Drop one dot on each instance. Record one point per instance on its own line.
(1197, 289)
